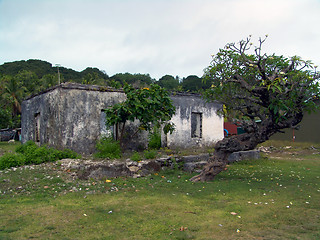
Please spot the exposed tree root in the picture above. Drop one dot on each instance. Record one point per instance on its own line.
(209, 171)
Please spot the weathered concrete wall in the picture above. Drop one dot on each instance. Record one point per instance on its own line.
(46, 108)
(211, 123)
(80, 114)
(70, 116)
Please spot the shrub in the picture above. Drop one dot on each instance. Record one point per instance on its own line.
(151, 154)
(9, 160)
(107, 147)
(67, 153)
(35, 155)
(29, 146)
(30, 153)
(136, 157)
(155, 139)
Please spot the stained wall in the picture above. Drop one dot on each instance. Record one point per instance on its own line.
(70, 116)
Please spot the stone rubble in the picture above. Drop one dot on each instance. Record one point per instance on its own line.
(93, 169)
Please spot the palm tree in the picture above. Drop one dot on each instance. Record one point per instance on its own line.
(12, 94)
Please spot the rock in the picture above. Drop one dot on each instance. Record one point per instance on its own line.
(194, 166)
(264, 149)
(196, 158)
(134, 168)
(152, 166)
(106, 170)
(242, 155)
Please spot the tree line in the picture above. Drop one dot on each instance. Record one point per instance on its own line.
(20, 79)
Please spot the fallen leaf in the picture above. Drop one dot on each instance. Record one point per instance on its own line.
(183, 228)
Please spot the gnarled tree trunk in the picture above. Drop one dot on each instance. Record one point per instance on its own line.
(224, 148)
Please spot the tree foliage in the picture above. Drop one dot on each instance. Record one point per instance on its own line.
(262, 93)
(136, 80)
(192, 83)
(168, 82)
(150, 106)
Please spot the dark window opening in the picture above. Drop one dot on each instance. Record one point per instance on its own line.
(37, 128)
(196, 125)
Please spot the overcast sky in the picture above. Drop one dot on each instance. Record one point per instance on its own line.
(158, 37)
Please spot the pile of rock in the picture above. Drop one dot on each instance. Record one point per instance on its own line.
(91, 169)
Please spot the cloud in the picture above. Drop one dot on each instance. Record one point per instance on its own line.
(157, 37)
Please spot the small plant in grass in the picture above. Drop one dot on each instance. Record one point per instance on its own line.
(211, 151)
(176, 165)
(135, 157)
(107, 147)
(167, 151)
(150, 154)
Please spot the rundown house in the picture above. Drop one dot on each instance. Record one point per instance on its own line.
(72, 116)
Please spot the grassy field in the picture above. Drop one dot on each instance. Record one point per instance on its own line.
(277, 197)
(8, 147)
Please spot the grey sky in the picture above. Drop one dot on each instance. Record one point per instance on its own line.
(158, 37)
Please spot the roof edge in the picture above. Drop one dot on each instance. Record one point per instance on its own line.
(85, 87)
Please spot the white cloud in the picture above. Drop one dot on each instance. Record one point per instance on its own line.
(157, 37)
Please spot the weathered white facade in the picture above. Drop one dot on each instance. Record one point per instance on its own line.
(196, 121)
(71, 116)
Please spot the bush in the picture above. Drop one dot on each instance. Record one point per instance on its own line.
(151, 154)
(9, 160)
(107, 147)
(30, 153)
(67, 153)
(155, 139)
(36, 155)
(27, 147)
(136, 157)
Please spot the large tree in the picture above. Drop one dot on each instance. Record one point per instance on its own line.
(262, 93)
(12, 92)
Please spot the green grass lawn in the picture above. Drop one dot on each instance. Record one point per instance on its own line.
(8, 147)
(277, 197)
